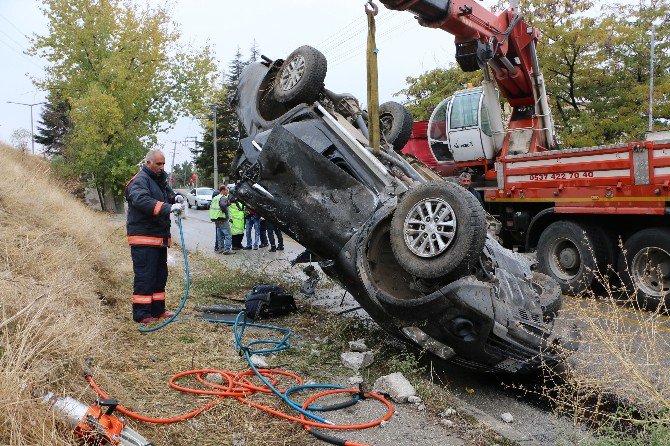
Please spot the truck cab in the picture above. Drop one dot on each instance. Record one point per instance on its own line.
(464, 127)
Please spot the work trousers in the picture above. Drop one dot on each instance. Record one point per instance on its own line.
(151, 273)
(272, 231)
(223, 236)
(253, 221)
(237, 240)
(264, 236)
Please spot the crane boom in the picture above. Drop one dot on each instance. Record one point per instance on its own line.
(503, 42)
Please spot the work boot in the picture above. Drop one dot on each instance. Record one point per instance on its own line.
(280, 248)
(273, 249)
(229, 252)
(165, 315)
(247, 247)
(265, 245)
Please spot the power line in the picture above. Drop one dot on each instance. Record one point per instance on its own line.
(382, 37)
(13, 25)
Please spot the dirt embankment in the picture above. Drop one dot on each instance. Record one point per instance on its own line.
(60, 264)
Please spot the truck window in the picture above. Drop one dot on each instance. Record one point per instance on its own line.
(486, 122)
(437, 127)
(464, 111)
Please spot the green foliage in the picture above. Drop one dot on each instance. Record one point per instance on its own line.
(182, 174)
(228, 128)
(425, 92)
(125, 77)
(54, 125)
(596, 67)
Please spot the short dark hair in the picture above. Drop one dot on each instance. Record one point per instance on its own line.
(222, 187)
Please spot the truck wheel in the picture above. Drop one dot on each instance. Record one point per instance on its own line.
(573, 253)
(300, 78)
(550, 294)
(644, 267)
(438, 230)
(396, 124)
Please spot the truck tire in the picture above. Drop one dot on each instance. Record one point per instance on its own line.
(575, 254)
(644, 266)
(438, 230)
(550, 294)
(396, 124)
(300, 78)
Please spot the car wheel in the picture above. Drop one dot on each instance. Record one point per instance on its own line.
(438, 230)
(575, 254)
(644, 267)
(550, 294)
(300, 78)
(396, 124)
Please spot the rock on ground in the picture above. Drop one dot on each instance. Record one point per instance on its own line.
(357, 360)
(395, 385)
(358, 346)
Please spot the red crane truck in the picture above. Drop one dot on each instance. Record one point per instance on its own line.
(572, 205)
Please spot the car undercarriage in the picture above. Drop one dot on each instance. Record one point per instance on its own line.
(410, 247)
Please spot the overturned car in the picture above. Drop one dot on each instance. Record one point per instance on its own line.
(410, 247)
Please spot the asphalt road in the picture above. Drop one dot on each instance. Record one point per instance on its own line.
(485, 397)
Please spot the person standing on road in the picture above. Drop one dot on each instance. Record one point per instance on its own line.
(236, 210)
(271, 231)
(253, 221)
(150, 202)
(465, 181)
(218, 213)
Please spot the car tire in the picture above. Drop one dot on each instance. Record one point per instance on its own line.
(575, 254)
(464, 224)
(549, 290)
(300, 78)
(645, 246)
(396, 124)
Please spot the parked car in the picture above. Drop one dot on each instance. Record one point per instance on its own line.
(200, 198)
(410, 247)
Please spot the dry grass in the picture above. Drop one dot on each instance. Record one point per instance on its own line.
(618, 380)
(54, 248)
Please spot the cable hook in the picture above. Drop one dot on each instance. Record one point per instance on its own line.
(371, 8)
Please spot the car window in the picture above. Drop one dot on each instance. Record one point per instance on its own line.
(205, 191)
(192, 191)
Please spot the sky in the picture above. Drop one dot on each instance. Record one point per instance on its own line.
(336, 27)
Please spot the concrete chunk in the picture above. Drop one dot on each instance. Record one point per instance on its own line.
(396, 385)
(358, 346)
(357, 360)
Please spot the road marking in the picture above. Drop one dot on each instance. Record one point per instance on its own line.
(574, 302)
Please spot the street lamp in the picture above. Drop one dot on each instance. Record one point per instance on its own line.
(216, 157)
(32, 134)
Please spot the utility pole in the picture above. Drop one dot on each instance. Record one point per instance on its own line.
(651, 81)
(32, 134)
(174, 152)
(216, 154)
(187, 139)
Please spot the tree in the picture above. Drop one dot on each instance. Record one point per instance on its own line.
(228, 128)
(125, 77)
(182, 174)
(20, 139)
(426, 91)
(596, 68)
(54, 125)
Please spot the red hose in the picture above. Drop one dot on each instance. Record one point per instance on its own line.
(239, 386)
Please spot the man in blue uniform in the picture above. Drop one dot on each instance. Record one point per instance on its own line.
(150, 202)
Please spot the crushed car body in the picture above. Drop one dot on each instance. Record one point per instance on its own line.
(410, 247)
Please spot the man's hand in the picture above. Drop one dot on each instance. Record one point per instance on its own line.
(176, 208)
(178, 199)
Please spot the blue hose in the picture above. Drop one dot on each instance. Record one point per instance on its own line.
(142, 328)
(239, 328)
